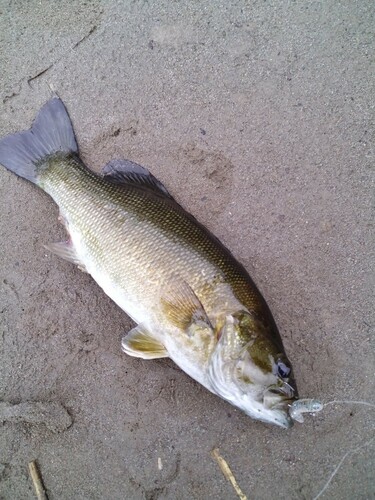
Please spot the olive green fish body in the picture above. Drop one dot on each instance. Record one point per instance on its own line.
(192, 301)
(128, 236)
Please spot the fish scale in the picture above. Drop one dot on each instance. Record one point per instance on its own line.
(129, 237)
(190, 298)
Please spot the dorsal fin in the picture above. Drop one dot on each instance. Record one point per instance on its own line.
(128, 172)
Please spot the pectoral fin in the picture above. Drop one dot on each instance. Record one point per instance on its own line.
(141, 344)
(66, 251)
(182, 306)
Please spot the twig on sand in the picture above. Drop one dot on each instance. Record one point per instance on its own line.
(227, 472)
(37, 481)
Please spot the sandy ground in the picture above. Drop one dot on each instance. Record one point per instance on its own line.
(259, 117)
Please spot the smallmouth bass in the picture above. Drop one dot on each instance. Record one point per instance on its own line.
(190, 298)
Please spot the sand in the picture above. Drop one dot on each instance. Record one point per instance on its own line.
(259, 118)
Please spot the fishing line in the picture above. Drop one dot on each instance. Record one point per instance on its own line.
(349, 452)
(349, 402)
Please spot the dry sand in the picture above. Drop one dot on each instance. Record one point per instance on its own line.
(259, 117)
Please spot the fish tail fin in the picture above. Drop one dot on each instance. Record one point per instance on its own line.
(51, 133)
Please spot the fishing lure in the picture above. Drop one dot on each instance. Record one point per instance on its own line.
(304, 406)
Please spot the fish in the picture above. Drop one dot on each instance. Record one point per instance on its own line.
(190, 299)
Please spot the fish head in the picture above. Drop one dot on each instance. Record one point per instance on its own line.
(249, 368)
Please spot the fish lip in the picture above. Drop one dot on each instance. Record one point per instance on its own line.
(285, 391)
(285, 398)
(288, 389)
(284, 405)
(288, 423)
(278, 414)
(280, 408)
(285, 421)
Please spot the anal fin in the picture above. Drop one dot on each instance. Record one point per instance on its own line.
(65, 250)
(141, 344)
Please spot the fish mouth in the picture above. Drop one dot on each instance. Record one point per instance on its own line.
(279, 396)
(271, 411)
(278, 409)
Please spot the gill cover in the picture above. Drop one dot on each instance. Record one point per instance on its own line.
(243, 356)
(243, 370)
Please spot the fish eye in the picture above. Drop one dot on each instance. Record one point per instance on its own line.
(282, 369)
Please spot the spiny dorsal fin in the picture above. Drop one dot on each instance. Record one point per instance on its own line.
(128, 172)
(141, 344)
